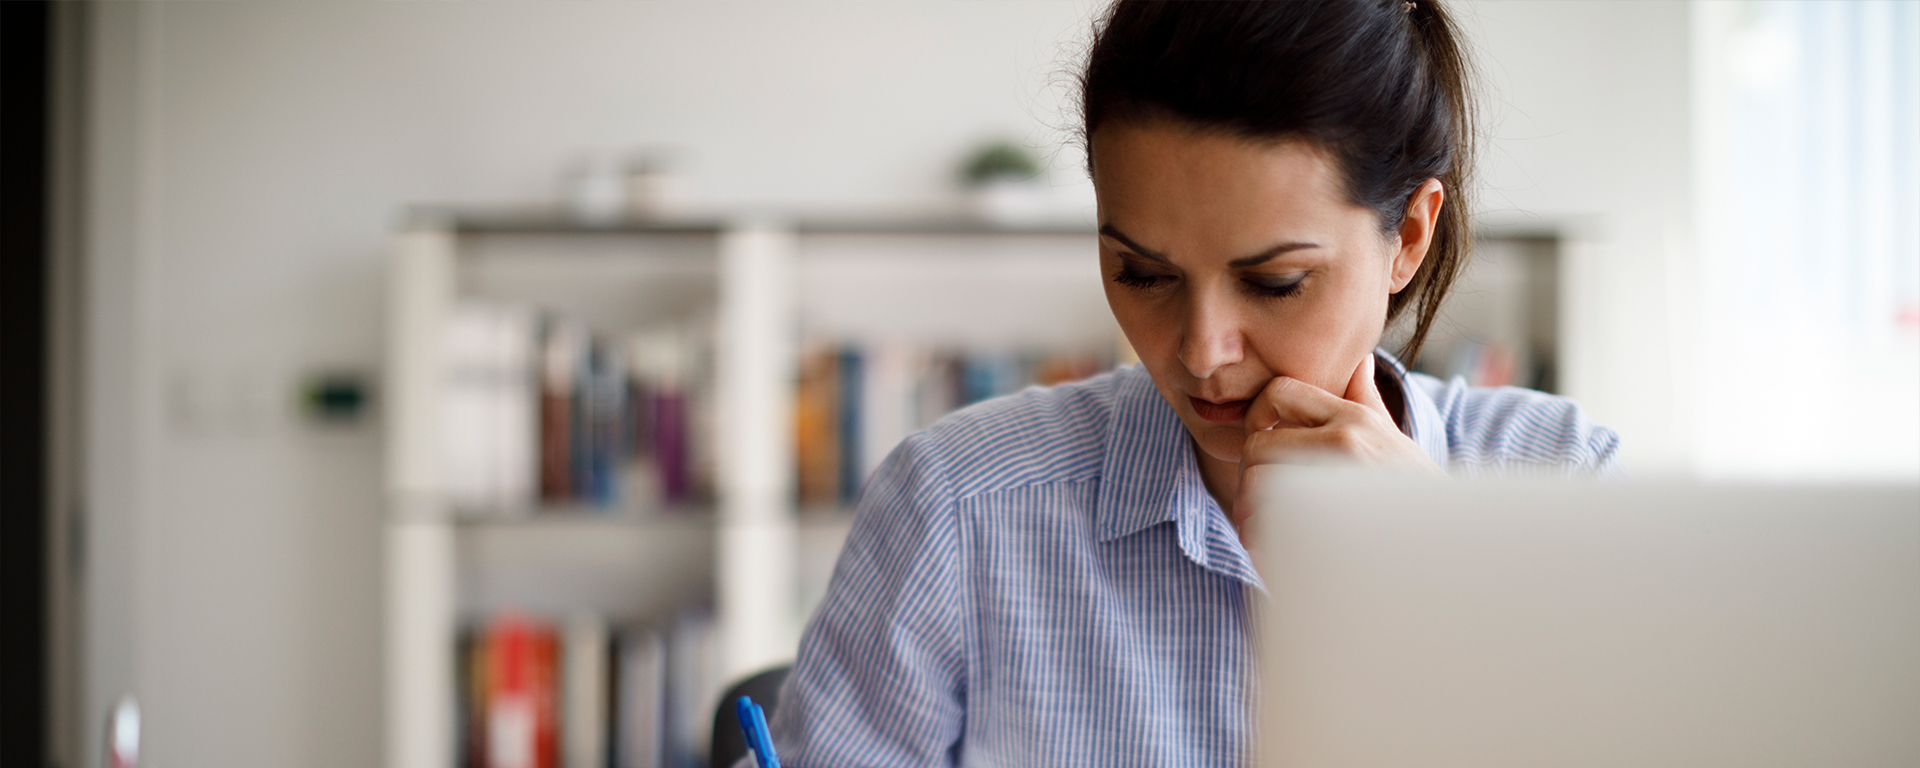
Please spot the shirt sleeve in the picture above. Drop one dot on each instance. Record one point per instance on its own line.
(1501, 430)
(880, 676)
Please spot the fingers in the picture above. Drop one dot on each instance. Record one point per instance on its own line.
(1362, 388)
(1372, 442)
(1290, 402)
(1293, 422)
(1246, 501)
(1306, 445)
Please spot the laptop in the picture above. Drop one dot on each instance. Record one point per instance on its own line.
(1557, 623)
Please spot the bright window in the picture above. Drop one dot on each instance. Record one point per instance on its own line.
(1809, 211)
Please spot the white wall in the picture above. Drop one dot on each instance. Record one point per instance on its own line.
(1586, 115)
(249, 160)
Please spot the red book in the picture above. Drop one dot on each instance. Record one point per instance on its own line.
(519, 696)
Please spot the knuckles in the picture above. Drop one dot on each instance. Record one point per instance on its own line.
(1347, 437)
(1351, 434)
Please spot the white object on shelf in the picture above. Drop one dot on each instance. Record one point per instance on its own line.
(1011, 202)
(596, 188)
(491, 427)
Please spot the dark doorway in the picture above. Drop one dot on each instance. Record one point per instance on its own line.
(25, 71)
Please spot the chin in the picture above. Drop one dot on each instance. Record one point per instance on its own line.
(1221, 441)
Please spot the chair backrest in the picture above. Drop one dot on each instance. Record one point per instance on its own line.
(729, 743)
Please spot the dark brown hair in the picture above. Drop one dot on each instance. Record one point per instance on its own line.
(1381, 84)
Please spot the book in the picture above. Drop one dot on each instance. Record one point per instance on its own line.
(542, 412)
(817, 428)
(693, 688)
(487, 452)
(640, 725)
(583, 693)
(603, 424)
(664, 390)
(847, 409)
(853, 403)
(584, 696)
(515, 696)
(888, 410)
(562, 347)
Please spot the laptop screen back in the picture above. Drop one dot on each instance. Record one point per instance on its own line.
(1547, 623)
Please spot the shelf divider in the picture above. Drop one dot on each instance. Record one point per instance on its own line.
(754, 376)
(419, 546)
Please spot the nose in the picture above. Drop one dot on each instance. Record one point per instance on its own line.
(1212, 339)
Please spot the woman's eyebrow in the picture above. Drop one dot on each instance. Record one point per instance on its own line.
(1109, 231)
(1270, 253)
(1243, 262)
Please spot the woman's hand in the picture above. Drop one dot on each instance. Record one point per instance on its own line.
(1293, 422)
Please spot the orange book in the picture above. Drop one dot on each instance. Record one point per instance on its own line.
(816, 420)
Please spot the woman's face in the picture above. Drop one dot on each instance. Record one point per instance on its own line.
(1230, 262)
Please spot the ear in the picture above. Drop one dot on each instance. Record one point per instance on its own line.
(1416, 231)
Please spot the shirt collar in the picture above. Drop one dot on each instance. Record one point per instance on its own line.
(1147, 453)
(1150, 476)
(1149, 472)
(1422, 418)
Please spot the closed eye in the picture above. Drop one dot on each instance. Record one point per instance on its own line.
(1134, 274)
(1273, 286)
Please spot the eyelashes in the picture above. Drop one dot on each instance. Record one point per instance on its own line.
(1261, 286)
(1132, 278)
(1273, 287)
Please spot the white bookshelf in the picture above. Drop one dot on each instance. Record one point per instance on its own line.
(766, 285)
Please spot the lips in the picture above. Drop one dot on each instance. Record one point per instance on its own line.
(1220, 413)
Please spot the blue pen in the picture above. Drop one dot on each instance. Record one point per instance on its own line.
(753, 720)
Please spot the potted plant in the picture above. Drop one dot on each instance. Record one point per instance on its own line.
(1002, 180)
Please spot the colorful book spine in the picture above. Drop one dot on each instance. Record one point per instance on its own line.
(847, 409)
(591, 422)
(583, 694)
(854, 403)
(516, 704)
(562, 346)
(670, 447)
(816, 429)
(663, 386)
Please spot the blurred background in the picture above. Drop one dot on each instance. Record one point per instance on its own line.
(431, 382)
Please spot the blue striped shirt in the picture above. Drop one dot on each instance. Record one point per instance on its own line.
(1043, 579)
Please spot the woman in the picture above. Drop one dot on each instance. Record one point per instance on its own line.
(1057, 577)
